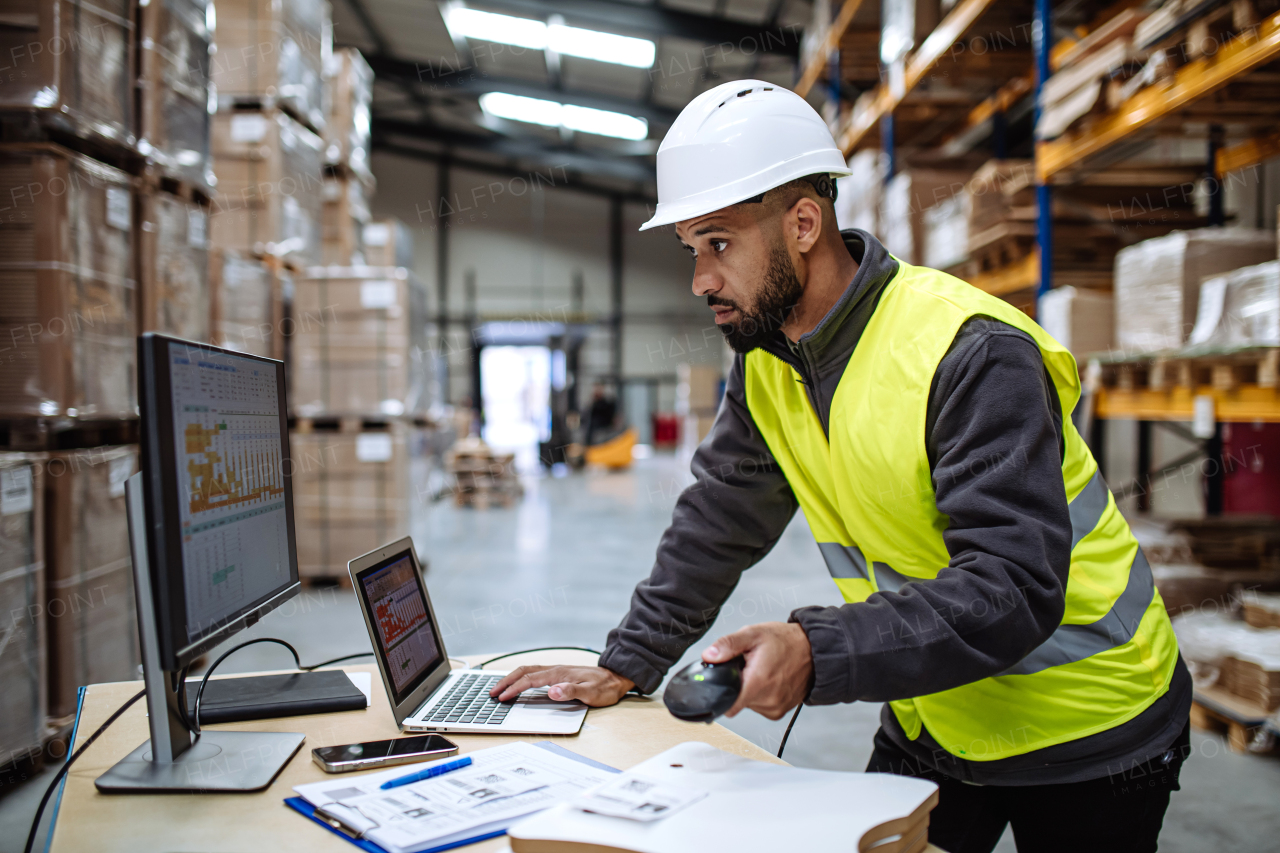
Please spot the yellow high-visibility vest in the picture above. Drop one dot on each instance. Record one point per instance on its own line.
(868, 497)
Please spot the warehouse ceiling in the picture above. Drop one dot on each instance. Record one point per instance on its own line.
(520, 85)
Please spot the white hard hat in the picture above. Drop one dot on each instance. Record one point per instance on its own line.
(736, 141)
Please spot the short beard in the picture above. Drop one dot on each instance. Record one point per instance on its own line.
(773, 305)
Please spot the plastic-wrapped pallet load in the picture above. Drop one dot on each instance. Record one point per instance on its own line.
(1157, 281)
(946, 232)
(24, 698)
(72, 60)
(93, 626)
(173, 250)
(248, 305)
(351, 493)
(357, 344)
(1241, 308)
(347, 127)
(1081, 320)
(858, 196)
(67, 291)
(274, 50)
(175, 112)
(906, 197)
(270, 186)
(388, 243)
(344, 216)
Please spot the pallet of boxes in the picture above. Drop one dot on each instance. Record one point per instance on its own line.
(268, 151)
(699, 388)
(357, 354)
(481, 477)
(107, 176)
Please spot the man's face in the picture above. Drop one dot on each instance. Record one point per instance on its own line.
(743, 268)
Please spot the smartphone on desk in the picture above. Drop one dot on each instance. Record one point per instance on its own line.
(382, 753)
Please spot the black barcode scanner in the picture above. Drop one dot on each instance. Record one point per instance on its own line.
(703, 691)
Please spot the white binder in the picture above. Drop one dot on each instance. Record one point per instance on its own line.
(751, 806)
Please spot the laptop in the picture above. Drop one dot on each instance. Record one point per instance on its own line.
(426, 693)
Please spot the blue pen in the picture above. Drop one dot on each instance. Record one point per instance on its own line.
(429, 773)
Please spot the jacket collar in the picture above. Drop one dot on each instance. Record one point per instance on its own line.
(828, 345)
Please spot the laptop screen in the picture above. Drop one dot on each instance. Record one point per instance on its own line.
(403, 632)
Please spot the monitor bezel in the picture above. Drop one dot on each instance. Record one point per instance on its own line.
(403, 704)
(161, 487)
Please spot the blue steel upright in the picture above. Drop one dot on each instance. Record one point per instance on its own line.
(1041, 35)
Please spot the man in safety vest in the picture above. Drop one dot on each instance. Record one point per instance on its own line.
(997, 600)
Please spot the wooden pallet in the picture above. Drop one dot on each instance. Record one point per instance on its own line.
(1222, 370)
(1215, 710)
(196, 193)
(341, 423)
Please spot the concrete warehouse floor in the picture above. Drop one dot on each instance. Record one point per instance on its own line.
(559, 568)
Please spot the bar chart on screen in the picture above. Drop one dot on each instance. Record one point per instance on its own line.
(401, 615)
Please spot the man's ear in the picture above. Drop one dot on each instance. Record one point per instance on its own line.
(805, 222)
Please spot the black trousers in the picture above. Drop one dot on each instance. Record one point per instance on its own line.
(1121, 813)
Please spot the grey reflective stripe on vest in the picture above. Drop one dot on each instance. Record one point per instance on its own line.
(1071, 643)
(1067, 644)
(1087, 508)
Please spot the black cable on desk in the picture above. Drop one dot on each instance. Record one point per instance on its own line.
(787, 733)
(195, 720)
(62, 772)
(541, 649)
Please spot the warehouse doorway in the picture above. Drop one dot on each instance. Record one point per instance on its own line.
(515, 387)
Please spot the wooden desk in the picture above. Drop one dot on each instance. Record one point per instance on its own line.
(621, 736)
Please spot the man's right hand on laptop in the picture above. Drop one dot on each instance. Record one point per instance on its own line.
(591, 685)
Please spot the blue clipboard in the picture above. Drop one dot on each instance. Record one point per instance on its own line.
(307, 810)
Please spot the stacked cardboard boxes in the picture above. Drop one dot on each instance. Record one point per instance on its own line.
(357, 342)
(92, 620)
(699, 389)
(249, 303)
(175, 110)
(173, 268)
(68, 290)
(343, 221)
(388, 243)
(349, 182)
(351, 493)
(903, 204)
(24, 699)
(70, 66)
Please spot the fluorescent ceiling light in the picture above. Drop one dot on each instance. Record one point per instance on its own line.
(554, 114)
(536, 35)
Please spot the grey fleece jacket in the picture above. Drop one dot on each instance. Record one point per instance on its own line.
(994, 441)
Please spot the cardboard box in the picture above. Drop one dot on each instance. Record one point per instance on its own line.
(174, 118)
(351, 494)
(343, 218)
(248, 304)
(270, 186)
(68, 318)
(357, 342)
(1240, 308)
(1157, 281)
(92, 618)
(1083, 321)
(72, 60)
(1001, 191)
(23, 670)
(906, 197)
(173, 249)
(347, 126)
(388, 243)
(699, 389)
(858, 196)
(274, 50)
(946, 232)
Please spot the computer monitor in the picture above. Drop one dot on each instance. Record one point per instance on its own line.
(212, 540)
(215, 464)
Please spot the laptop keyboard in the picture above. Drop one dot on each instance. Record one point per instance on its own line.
(468, 702)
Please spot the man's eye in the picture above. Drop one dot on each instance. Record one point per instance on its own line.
(718, 245)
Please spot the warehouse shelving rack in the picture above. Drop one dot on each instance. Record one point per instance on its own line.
(1234, 83)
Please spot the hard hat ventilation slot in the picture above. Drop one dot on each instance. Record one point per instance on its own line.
(743, 94)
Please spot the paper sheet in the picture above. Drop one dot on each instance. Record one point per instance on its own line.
(637, 798)
(503, 783)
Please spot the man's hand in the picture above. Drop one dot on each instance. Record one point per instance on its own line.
(594, 685)
(779, 666)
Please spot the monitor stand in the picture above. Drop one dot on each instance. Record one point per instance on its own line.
(171, 761)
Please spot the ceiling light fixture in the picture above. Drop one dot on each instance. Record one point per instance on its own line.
(537, 35)
(555, 114)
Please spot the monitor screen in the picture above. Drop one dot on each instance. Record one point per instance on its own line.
(406, 638)
(230, 453)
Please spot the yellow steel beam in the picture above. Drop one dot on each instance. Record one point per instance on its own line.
(1251, 152)
(1243, 404)
(1018, 275)
(1191, 82)
(1004, 99)
(949, 30)
(814, 70)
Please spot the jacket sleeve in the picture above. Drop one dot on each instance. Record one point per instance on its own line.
(728, 519)
(996, 449)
